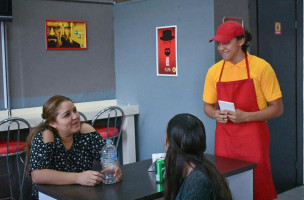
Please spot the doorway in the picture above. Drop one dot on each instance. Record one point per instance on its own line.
(279, 28)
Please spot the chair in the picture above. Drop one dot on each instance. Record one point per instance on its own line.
(83, 116)
(14, 147)
(116, 117)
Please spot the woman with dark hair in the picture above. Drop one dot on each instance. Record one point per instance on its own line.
(61, 150)
(250, 83)
(189, 174)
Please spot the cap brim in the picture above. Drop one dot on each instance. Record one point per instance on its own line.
(221, 38)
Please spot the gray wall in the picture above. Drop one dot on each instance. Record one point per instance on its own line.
(36, 73)
(160, 98)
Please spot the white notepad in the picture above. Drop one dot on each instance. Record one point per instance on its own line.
(225, 105)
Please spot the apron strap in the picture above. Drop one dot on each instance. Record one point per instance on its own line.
(222, 71)
(247, 66)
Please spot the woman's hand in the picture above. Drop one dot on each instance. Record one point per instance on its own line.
(89, 178)
(117, 172)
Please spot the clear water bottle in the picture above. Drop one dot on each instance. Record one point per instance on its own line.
(108, 161)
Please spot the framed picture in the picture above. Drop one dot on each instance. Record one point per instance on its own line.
(65, 34)
(166, 55)
(236, 19)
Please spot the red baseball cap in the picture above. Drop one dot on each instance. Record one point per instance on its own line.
(227, 31)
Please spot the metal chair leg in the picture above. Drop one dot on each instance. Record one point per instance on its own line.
(9, 174)
(19, 177)
(18, 156)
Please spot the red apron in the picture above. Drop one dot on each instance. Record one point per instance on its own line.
(245, 141)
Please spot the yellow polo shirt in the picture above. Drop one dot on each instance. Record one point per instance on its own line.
(266, 84)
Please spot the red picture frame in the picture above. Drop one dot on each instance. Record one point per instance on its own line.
(66, 34)
(166, 51)
(236, 19)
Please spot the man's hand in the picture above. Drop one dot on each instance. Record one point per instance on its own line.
(238, 116)
(221, 116)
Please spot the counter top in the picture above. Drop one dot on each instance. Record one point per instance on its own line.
(90, 109)
(229, 167)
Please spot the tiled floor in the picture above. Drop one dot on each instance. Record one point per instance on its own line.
(294, 194)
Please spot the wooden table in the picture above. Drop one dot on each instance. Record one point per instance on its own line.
(138, 183)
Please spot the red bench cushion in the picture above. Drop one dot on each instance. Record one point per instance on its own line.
(12, 146)
(103, 131)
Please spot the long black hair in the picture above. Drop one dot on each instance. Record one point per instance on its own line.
(186, 140)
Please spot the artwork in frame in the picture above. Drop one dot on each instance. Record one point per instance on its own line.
(236, 19)
(166, 51)
(66, 34)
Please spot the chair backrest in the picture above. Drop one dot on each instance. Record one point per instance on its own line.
(115, 120)
(14, 147)
(12, 125)
(82, 115)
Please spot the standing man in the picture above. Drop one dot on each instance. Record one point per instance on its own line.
(251, 84)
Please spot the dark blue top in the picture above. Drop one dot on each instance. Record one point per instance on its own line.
(196, 186)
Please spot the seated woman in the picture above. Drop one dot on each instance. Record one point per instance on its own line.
(189, 174)
(62, 150)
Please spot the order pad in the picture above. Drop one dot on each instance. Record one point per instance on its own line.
(225, 105)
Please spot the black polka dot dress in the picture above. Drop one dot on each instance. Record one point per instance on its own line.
(54, 155)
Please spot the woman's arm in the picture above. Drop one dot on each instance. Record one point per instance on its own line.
(49, 176)
(86, 128)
